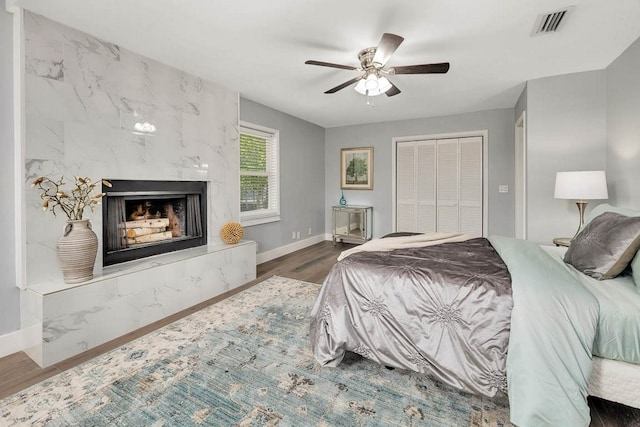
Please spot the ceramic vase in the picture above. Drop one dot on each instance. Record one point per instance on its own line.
(77, 249)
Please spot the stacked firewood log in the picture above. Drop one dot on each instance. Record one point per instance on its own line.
(144, 229)
(147, 231)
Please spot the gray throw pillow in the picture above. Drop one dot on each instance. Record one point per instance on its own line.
(605, 247)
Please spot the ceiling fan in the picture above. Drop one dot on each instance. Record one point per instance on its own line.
(373, 80)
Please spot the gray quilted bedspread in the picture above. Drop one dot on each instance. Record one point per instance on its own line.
(441, 310)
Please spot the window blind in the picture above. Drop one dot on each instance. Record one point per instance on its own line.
(259, 180)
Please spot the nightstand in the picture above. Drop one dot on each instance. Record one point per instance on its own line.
(562, 241)
(352, 223)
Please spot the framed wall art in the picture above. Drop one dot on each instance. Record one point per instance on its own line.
(356, 168)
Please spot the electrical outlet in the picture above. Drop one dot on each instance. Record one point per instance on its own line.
(293, 235)
(503, 188)
(309, 231)
(298, 235)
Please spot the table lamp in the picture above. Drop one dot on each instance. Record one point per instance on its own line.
(581, 186)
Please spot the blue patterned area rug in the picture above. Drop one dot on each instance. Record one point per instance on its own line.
(245, 361)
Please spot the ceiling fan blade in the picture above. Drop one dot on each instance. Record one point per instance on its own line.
(329, 64)
(388, 44)
(393, 90)
(439, 68)
(343, 85)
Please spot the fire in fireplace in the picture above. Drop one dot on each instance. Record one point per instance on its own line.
(145, 218)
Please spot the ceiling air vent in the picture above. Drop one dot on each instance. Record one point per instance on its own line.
(550, 22)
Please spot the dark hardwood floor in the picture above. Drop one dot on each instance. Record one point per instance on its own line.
(18, 371)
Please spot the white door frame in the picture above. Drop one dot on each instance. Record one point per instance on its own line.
(485, 169)
(520, 190)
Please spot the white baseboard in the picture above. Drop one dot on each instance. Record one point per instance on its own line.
(287, 249)
(10, 343)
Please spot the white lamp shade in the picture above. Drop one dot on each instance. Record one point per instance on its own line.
(581, 185)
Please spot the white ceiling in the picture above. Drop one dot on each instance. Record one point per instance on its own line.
(259, 47)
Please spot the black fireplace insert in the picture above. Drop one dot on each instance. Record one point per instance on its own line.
(145, 218)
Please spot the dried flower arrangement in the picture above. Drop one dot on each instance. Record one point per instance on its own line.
(73, 203)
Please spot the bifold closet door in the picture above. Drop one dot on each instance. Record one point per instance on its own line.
(470, 194)
(416, 186)
(406, 186)
(439, 185)
(426, 187)
(447, 186)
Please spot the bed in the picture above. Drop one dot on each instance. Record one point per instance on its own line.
(495, 315)
(616, 362)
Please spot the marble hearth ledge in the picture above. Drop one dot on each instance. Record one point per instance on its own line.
(61, 320)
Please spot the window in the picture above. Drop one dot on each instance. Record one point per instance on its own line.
(259, 175)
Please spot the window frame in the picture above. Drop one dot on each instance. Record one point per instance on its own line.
(262, 216)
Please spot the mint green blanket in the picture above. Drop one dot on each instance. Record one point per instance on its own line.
(617, 337)
(553, 325)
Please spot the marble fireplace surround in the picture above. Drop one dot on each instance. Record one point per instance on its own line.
(82, 99)
(64, 320)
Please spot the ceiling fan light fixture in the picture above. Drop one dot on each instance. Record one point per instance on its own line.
(360, 87)
(384, 84)
(371, 83)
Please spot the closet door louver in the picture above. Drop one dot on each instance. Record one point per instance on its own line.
(405, 187)
(447, 185)
(416, 186)
(426, 187)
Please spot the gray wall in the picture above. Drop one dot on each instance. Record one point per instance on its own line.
(500, 125)
(301, 177)
(623, 128)
(566, 131)
(9, 293)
